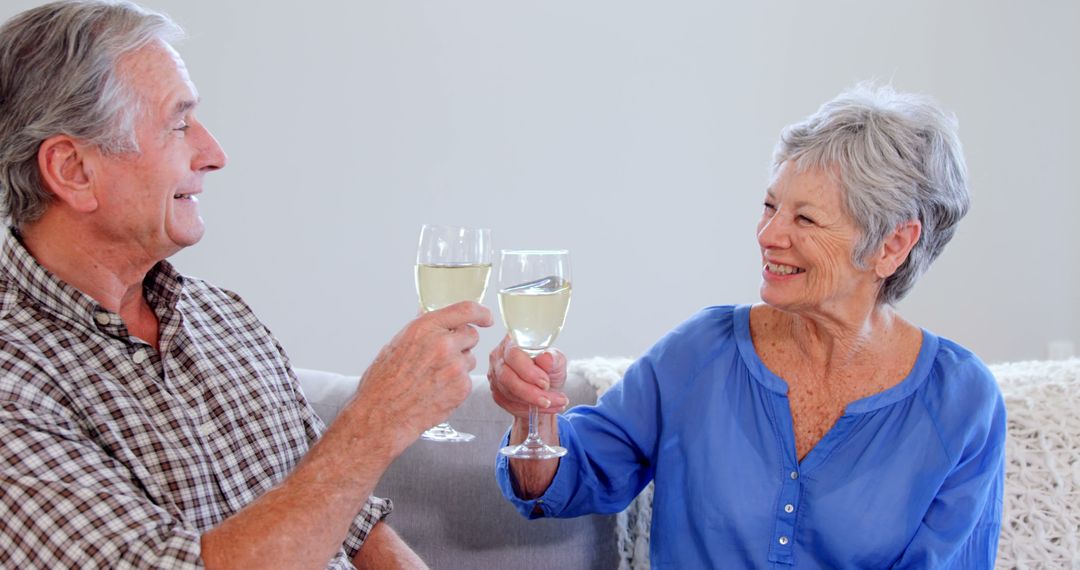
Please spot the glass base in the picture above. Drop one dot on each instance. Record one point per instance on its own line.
(443, 432)
(533, 451)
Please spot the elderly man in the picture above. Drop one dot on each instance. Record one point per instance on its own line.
(148, 419)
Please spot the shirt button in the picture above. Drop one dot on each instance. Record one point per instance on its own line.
(783, 540)
(789, 508)
(794, 475)
(206, 429)
(102, 318)
(139, 357)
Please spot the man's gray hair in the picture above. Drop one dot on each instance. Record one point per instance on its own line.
(58, 75)
(897, 158)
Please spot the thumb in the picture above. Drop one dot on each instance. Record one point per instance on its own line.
(460, 314)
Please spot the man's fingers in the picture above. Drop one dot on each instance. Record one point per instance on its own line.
(465, 338)
(459, 314)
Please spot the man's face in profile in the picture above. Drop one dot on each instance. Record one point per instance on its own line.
(149, 199)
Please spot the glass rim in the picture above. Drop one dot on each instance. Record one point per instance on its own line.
(453, 227)
(534, 251)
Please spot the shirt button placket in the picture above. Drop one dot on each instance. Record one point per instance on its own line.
(781, 550)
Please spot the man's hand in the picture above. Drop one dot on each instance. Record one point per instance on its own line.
(518, 381)
(422, 374)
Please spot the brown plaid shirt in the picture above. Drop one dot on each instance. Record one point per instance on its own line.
(116, 455)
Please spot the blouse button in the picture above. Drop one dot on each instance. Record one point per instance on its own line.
(789, 508)
(794, 475)
(783, 540)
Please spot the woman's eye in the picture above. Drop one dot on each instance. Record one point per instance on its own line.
(804, 220)
(769, 207)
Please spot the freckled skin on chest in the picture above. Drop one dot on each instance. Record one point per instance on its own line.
(818, 396)
(816, 405)
(816, 401)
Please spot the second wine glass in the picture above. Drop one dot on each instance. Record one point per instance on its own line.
(452, 264)
(534, 295)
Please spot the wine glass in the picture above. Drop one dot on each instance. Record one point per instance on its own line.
(534, 295)
(452, 264)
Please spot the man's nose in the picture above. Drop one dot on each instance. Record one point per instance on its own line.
(210, 156)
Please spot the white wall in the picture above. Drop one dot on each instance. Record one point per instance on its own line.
(637, 134)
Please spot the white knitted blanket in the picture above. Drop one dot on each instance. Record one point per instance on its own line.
(1041, 522)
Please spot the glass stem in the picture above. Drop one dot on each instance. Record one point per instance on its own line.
(534, 431)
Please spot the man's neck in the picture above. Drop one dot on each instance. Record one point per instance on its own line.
(110, 274)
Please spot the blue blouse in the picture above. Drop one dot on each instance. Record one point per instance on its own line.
(907, 478)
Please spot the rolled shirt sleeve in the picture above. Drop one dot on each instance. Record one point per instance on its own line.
(375, 510)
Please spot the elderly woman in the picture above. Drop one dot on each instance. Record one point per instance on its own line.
(817, 429)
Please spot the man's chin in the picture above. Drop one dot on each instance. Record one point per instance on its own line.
(186, 237)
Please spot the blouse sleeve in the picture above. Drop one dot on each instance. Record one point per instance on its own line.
(609, 449)
(961, 527)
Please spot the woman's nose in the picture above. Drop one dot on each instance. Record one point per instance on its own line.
(773, 233)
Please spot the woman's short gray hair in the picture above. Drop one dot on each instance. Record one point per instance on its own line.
(898, 158)
(58, 75)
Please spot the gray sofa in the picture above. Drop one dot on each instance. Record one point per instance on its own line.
(447, 505)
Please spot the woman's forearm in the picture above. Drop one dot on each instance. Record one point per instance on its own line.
(531, 478)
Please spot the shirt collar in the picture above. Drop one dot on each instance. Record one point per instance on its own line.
(162, 286)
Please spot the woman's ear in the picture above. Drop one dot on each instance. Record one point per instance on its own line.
(66, 173)
(897, 246)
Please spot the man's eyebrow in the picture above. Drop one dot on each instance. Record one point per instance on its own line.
(183, 106)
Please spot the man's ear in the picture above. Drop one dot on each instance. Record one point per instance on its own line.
(894, 251)
(65, 171)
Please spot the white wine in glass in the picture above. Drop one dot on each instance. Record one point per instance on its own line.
(534, 297)
(443, 285)
(453, 264)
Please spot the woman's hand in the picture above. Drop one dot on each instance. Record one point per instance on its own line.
(518, 381)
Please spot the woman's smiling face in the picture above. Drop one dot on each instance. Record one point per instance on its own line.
(806, 238)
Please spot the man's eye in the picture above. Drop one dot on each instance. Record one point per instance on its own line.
(183, 126)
